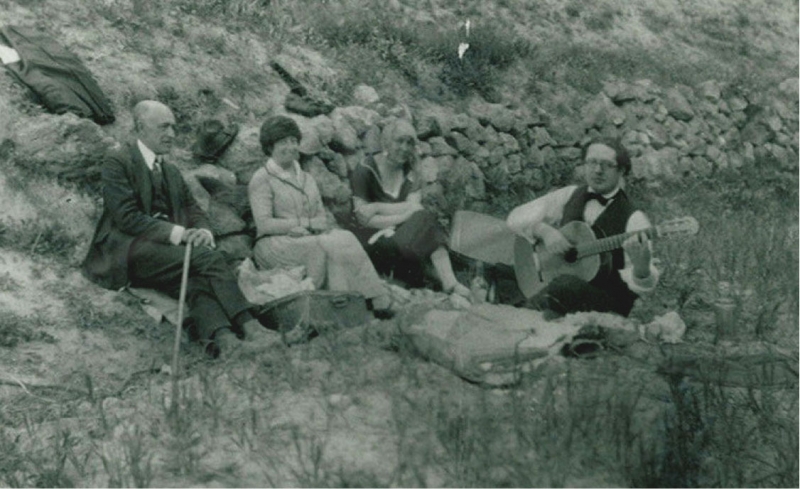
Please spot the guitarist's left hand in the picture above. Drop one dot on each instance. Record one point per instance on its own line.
(638, 249)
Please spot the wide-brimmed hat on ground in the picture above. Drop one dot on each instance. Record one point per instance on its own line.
(213, 138)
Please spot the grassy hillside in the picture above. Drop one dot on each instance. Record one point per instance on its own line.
(84, 388)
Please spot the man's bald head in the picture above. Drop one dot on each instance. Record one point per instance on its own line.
(154, 125)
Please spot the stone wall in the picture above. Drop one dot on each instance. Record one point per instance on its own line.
(467, 158)
(470, 158)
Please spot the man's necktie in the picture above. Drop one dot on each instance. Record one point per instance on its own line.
(599, 198)
(158, 175)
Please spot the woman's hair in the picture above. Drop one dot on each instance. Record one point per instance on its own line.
(622, 156)
(276, 128)
(389, 130)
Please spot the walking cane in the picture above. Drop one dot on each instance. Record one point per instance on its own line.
(178, 329)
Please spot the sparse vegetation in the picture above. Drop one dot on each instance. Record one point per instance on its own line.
(356, 407)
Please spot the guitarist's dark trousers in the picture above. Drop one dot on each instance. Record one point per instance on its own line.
(567, 294)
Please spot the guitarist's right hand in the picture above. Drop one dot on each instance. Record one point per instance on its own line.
(554, 241)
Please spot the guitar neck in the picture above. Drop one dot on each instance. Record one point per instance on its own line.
(610, 243)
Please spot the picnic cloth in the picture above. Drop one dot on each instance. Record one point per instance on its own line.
(495, 344)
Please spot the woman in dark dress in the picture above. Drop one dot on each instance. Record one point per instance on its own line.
(398, 233)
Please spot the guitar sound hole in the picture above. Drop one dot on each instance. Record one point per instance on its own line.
(571, 256)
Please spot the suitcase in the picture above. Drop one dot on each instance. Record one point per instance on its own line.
(301, 315)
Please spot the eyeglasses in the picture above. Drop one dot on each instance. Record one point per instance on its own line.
(604, 165)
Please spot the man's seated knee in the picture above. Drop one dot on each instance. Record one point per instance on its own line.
(207, 261)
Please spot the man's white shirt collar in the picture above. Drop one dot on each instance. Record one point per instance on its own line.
(147, 154)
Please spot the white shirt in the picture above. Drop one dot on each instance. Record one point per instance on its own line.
(550, 209)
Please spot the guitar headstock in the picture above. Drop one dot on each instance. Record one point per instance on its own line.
(682, 226)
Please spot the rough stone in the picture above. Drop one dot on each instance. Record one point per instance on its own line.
(482, 157)
(497, 156)
(460, 122)
(656, 164)
(709, 90)
(757, 133)
(498, 177)
(324, 127)
(509, 143)
(496, 115)
(789, 88)
(400, 111)
(475, 131)
(565, 132)
(428, 169)
(740, 119)
(223, 175)
(677, 105)
(338, 165)
(444, 164)
(696, 146)
(353, 160)
(200, 194)
(748, 153)
(775, 124)
(701, 166)
(548, 155)
(476, 188)
(723, 107)
(360, 118)
(675, 128)
(60, 145)
(492, 137)
(224, 219)
(345, 138)
(780, 155)
(735, 159)
(244, 155)
(439, 147)
(657, 134)
(542, 137)
(596, 113)
(782, 110)
(331, 187)
(661, 113)
(514, 163)
(534, 157)
(463, 144)
(737, 104)
(365, 95)
(7, 115)
(714, 154)
(423, 149)
(619, 91)
(428, 127)
(707, 107)
(570, 154)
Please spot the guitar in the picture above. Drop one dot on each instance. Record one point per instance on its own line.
(535, 267)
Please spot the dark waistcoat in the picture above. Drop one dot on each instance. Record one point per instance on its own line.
(611, 221)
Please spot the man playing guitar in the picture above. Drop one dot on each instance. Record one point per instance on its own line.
(602, 204)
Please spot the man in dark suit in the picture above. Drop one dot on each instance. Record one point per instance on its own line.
(149, 216)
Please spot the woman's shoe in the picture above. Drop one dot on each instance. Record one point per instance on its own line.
(382, 313)
(457, 288)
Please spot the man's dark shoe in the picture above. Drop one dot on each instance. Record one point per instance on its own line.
(225, 345)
